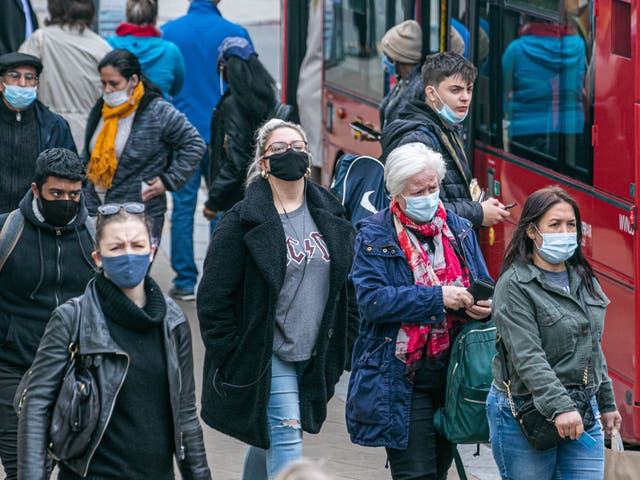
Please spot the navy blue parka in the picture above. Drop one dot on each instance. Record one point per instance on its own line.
(379, 397)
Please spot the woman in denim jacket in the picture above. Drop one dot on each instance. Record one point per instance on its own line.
(549, 312)
(413, 264)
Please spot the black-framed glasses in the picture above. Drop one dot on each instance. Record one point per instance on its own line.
(113, 208)
(29, 78)
(279, 147)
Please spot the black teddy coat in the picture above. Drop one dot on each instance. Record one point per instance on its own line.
(243, 274)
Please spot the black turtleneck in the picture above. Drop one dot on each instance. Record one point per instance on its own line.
(138, 442)
(20, 146)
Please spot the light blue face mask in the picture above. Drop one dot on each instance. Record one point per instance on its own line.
(447, 114)
(422, 209)
(557, 247)
(387, 65)
(20, 97)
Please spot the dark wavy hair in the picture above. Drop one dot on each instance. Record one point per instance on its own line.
(252, 86)
(442, 65)
(127, 64)
(72, 13)
(521, 247)
(60, 163)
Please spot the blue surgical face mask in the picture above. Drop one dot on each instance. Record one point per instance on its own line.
(447, 114)
(422, 209)
(20, 97)
(557, 247)
(126, 271)
(387, 65)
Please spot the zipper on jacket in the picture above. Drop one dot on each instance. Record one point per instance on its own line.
(113, 404)
(59, 268)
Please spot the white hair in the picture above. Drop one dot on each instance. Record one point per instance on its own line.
(262, 138)
(405, 161)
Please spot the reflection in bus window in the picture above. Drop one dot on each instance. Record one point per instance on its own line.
(352, 61)
(543, 72)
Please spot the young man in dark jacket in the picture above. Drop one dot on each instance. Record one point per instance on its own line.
(448, 79)
(49, 264)
(27, 127)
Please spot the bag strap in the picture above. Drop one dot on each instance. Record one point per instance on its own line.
(459, 465)
(10, 234)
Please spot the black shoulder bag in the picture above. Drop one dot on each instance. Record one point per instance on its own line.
(541, 432)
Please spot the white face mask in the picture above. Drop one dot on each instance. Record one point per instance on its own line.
(117, 98)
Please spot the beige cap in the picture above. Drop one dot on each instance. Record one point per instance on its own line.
(403, 42)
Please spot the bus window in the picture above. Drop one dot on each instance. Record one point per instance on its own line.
(352, 61)
(545, 101)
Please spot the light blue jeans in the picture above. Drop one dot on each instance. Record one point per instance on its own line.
(517, 460)
(283, 420)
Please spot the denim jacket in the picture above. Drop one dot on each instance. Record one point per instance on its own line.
(550, 336)
(379, 397)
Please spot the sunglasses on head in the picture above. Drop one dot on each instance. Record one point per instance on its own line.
(113, 208)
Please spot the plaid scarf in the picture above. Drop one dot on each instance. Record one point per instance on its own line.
(412, 338)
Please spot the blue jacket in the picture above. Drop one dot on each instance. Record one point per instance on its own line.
(545, 76)
(198, 34)
(161, 61)
(379, 396)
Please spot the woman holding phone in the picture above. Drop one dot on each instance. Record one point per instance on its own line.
(414, 262)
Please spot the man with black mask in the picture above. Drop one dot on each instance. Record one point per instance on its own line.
(45, 259)
(27, 127)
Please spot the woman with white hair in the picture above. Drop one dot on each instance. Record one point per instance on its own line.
(413, 264)
(272, 305)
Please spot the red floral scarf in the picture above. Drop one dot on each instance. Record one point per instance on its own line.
(412, 338)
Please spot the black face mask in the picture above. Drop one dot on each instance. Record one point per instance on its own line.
(289, 165)
(58, 212)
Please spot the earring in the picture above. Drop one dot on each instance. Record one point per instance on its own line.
(308, 172)
(264, 174)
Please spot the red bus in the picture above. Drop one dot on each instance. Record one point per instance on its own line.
(569, 117)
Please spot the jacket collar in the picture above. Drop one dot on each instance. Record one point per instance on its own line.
(94, 334)
(527, 272)
(204, 6)
(26, 207)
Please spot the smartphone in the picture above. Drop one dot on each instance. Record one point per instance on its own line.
(481, 290)
(586, 440)
(365, 130)
(510, 206)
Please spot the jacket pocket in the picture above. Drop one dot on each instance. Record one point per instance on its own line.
(558, 332)
(368, 399)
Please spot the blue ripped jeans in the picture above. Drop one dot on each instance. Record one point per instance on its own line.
(517, 460)
(283, 420)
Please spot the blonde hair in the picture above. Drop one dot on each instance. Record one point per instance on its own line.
(263, 134)
(304, 469)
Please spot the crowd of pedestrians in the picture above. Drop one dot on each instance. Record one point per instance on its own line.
(291, 295)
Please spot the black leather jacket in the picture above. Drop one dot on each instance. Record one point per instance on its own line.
(111, 365)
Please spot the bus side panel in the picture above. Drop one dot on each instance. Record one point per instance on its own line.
(339, 110)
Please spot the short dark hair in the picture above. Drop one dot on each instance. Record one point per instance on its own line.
(125, 62)
(74, 13)
(141, 12)
(520, 249)
(443, 65)
(60, 163)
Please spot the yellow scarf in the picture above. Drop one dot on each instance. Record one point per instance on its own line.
(103, 163)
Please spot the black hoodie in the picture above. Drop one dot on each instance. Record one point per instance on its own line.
(48, 266)
(419, 123)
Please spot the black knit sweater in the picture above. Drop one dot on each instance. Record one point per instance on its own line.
(138, 441)
(20, 147)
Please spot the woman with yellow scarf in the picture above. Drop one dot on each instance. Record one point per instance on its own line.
(138, 145)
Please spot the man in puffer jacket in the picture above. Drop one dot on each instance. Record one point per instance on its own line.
(49, 264)
(448, 79)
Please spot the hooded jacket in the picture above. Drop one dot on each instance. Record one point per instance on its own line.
(418, 122)
(543, 72)
(404, 92)
(112, 363)
(160, 60)
(48, 266)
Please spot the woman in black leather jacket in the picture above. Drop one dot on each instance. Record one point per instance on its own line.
(249, 101)
(140, 346)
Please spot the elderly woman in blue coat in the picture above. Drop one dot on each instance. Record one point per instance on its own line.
(413, 264)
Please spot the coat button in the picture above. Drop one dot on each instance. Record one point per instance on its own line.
(384, 250)
(369, 249)
(393, 251)
(330, 333)
(433, 317)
